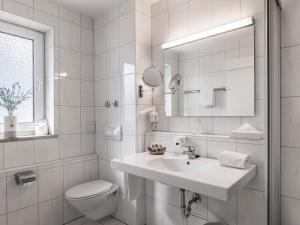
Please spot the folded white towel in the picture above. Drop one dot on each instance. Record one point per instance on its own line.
(234, 159)
(133, 187)
(207, 97)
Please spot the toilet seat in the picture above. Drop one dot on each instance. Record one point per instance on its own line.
(89, 190)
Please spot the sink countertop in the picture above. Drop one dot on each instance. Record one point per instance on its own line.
(203, 175)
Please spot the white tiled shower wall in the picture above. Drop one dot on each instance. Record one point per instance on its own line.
(54, 160)
(122, 51)
(290, 107)
(171, 20)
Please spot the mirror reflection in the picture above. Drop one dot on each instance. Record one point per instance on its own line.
(216, 76)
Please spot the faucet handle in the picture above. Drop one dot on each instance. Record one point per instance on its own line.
(190, 148)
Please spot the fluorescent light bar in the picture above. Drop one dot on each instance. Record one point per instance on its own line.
(209, 33)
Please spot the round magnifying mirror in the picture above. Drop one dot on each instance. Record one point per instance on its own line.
(174, 83)
(152, 77)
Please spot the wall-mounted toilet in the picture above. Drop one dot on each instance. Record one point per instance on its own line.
(95, 199)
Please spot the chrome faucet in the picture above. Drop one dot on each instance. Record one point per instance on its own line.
(191, 152)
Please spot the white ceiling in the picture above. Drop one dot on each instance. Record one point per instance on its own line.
(92, 8)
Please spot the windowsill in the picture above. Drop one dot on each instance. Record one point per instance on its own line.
(26, 137)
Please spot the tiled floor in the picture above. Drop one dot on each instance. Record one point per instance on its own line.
(105, 221)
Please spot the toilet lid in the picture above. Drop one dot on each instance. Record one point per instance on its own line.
(89, 189)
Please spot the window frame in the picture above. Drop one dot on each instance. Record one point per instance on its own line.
(38, 39)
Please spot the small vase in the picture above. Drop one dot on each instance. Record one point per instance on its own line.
(10, 126)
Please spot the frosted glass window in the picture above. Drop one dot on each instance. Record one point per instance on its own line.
(17, 65)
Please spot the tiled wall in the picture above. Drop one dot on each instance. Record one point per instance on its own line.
(54, 160)
(122, 51)
(173, 19)
(290, 106)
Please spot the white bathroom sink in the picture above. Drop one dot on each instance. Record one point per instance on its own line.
(205, 176)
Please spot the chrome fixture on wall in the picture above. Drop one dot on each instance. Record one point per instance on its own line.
(25, 177)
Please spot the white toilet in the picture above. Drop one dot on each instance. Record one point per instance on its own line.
(95, 199)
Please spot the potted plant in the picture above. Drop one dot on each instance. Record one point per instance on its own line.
(10, 99)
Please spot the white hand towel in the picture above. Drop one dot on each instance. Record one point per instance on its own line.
(207, 97)
(133, 187)
(234, 159)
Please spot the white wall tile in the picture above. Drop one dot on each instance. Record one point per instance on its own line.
(87, 93)
(225, 11)
(142, 28)
(252, 207)
(3, 220)
(69, 92)
(69, 35)
(223, 125)
(46, 150)
(127, 61)
(112, 62)
(46, 6)
(100, 67)
(87, 144)
(200, 15)
(87, 22)
(19, 196)
(87, 41)
(2, 194)
(69, 15)
(225, 212)
(100, 93)
(215, 147)
(1, 156)
(159, 7)
(27, 215)
(113, 34)
(290, 109)
(171, 195)
(290, 183)
(51, 212)
(290, 58)
(69, 63)
(160, 29)
(69, 145)
(73, 174)
(290, 211)
(173, 3)
(87, 67)
(251, 7)
(178, 21)
(154, 189)
(91, 170)
(154, 209)
(127, 29)
(290, 19)
(100, 39)
(171, 215)
(87, 116)
(257, 154)
(50, 183)
(18, 153)
(69, 120)
(101, 119)
(18, 9)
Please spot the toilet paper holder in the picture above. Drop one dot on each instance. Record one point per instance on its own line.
(25, 177)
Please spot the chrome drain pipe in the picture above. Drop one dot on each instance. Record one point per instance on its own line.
(186, 210)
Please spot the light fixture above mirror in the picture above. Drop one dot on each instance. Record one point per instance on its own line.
(209, 33)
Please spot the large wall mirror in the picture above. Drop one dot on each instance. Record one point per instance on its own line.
(212, 76)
